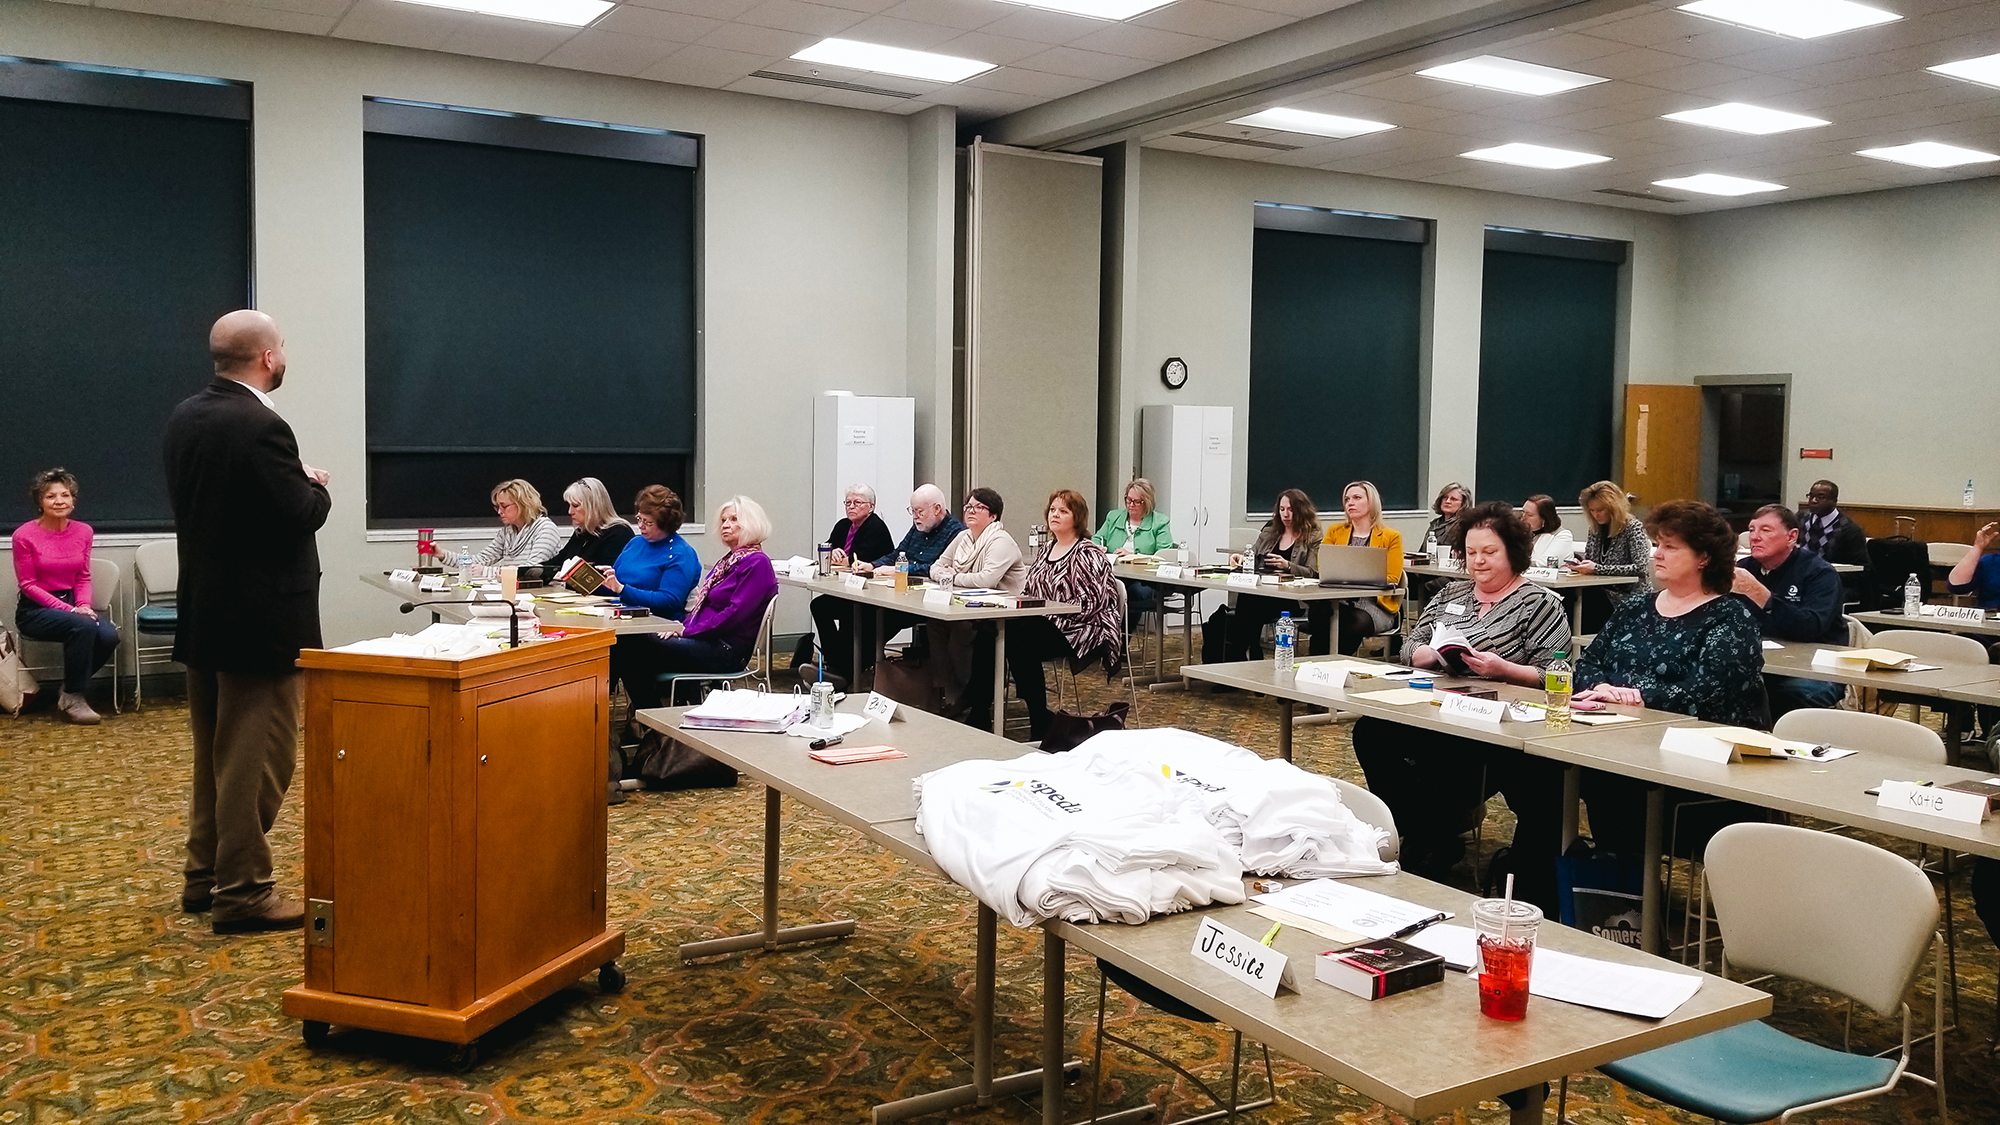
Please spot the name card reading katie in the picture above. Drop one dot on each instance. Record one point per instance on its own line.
(1240, 579)
(1488, 712)
(1320, 676)
(1950, 804)
(879, 707)
(1242, 957)
(1970, 613)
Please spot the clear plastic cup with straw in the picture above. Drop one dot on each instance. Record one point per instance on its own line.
(1506, 932)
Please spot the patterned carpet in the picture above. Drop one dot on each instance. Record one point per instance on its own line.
(116, 1008)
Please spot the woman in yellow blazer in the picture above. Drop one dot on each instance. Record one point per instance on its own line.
(1360, 618)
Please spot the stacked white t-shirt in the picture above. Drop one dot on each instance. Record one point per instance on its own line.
(1043, 836)
(1283, 820)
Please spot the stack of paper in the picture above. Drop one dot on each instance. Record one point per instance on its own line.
(1868, 660)
(1632, 989)
(744, 710)
(438, 642)
(1340, 911)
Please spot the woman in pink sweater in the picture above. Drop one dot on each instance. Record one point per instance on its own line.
(52, 563)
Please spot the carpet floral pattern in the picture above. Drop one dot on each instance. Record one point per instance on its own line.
(116, 1008)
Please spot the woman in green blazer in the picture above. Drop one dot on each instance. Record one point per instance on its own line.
(1140, 529)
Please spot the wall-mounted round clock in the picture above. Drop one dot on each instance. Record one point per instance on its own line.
(1174, 373)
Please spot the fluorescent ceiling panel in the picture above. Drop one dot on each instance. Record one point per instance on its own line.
(569, 13)
(1740, 118)
(1096, 9)
(1490, 72)
(1796, 19)
(1535, 156)
(1715, 183)
(1984, 70)
(1313, 124)
(856, 55)
(1929, 154)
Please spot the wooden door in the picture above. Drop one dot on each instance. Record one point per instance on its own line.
(1662, 442)
(379, 794)
(540, 797)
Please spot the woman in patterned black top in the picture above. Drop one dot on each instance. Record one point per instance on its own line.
(1072, 569)
(1429, 778)
(1689, 648)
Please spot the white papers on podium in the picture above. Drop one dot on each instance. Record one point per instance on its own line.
(745, 710)
(1632, 989)
(440, 641)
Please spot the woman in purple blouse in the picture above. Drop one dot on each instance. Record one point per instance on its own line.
(725, 610)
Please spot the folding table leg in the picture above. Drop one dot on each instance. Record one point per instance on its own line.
(770, 937)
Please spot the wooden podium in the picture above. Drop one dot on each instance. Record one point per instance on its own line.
(454, 837)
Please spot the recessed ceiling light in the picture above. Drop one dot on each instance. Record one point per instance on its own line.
(569, 13)
(1984, 70)
(1929, 154)
(1535, 156)
(1715, 183)
(1313, 124)
(1490, 72)
(1798, 19)
(903, 63)
(1739, 118)
(1096, 9)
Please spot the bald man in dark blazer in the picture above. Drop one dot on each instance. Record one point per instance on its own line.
(245, 512)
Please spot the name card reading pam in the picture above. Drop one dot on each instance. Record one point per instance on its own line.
(1320, 676)
(1966, 808)
(1243, 957)
(1487, 711)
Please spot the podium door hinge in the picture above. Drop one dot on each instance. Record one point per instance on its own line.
(319, 922)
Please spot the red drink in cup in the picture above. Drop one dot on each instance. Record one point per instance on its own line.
(1506, 931)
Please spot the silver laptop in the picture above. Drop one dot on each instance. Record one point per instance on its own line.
(1353, 566)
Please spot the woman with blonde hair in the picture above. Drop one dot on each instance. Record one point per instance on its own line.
(724, 613)
(527, 537)
(1360, 619)
(1617, 546)
(600, 535)
(1140, 528)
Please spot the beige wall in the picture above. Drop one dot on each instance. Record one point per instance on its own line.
(804, 262)
(1882, 308)
(1193, 292)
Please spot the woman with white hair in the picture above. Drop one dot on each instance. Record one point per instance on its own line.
(724, 611)
(860, 534)
(600, 535)
(527, 537)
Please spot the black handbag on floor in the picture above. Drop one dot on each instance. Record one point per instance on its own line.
(1215, 636)
(1068, 730)
(663, 763)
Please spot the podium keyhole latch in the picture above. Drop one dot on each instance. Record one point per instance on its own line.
(482, 759)
(340, 753)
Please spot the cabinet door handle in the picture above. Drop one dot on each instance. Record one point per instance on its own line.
(482, 759)
(340, 754)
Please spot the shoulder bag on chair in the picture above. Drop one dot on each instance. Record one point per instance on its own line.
(16, 683)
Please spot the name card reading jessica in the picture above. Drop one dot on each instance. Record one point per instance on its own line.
(1323, 676)
(1486, 711)
(1966, 808)
(1242, 957)
(1970, 613)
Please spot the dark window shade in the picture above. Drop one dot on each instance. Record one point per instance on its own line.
(526, 310)
(1548, 332)
(1334, 381)
(124, 234)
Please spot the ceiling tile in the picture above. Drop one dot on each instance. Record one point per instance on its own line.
(704, 66)
(900, 33)
(1297, 9)
(1227, 22)
(966, 15)
(1693, 75)
(184, 9)
(869, 6)
(1181, 144)
(809, 19)
(1037, 83)
(1083, 64)
(1758, 89)
(332, 9)
(1147, 43)
(979, 102)
(251, 15)
(1566, 51)
(675, 27)
(1043, 27)
(709, 9)
(514, 40)
(1633, 63)
(849, 99)
(758, 40)
(402, 25)
(608, 52)
(989, 48)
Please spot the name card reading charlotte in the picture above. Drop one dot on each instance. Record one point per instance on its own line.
(1241, 956)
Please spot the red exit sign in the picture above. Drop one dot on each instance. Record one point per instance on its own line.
(1816, 454)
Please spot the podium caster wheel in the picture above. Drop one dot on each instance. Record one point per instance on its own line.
(463, 1057)
(316, 1033)
(610, 978)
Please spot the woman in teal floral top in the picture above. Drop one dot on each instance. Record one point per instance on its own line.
(1689, 647)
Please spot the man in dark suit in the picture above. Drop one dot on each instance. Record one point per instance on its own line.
(1826, 531)
(245, 510)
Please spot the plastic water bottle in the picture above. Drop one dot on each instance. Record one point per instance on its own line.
(1557, 680)
(1034, 539)
(1288, 640)
(464, 564)
(902, 572)
(1968, 492)
(1913, 596)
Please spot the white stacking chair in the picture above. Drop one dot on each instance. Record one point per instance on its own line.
(1930, 647)
(757, 666)
(1065, 680)
(1820, 908)
(44, 659)
(156, 576)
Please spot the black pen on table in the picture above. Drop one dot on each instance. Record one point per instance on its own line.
(1418, 925)
(823, 743)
